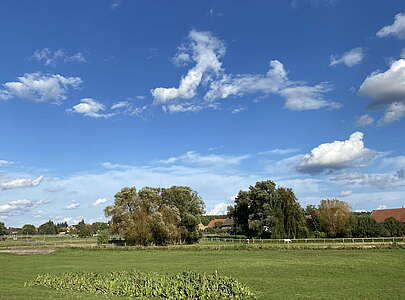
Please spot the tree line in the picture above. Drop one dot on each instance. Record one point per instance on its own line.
(268, 211)
(161, 216)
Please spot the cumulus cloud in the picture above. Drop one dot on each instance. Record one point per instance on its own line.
(349, 58)
(73, 205)
(382, 180)
(206, 51)
(364, 120)
(337, 155)
(89, 107)
(16, 207)
(394, 112)
(192, 157)
(20, 183)
(51, 58)
(40, 87)
(387, 89)
(100, 201)
(396, 29)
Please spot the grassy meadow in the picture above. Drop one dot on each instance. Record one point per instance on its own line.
(271, 274)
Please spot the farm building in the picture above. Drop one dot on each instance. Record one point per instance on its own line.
(381, 214)
(219, 223)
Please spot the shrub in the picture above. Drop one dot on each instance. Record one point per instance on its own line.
(181, 286)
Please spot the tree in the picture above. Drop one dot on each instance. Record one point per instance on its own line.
(83, 229)
(98, 226)
(28, 229)
(190, 207)
(363, 225)
(334, 217)
(155, 215)
(3, 229)
(267, 211)
(394, 227)
(48, 228)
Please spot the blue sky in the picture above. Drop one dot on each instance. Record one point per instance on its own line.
(97, 95)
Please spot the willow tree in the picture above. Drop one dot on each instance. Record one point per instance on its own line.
(154, 215)
(268, 211)
(334, 216)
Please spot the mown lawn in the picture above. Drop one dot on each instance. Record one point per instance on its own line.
(273, 274)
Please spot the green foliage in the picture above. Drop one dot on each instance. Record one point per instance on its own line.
(98, 226)
(185, 285)
(334, 216)
(266, 211)
(48, 228)
(363, 225)
(156, 216)
(103, 236)
(83, 230)
(3, 229)
(28, 229)
(394, 227)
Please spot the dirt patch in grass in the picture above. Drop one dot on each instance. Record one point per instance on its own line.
(28, 251)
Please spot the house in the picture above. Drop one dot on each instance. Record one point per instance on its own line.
(215, 223)
(379, 215)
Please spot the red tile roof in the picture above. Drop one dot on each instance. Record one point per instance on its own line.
(213, 222)
(381, 214)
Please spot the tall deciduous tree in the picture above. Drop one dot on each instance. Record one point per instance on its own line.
(28, 229)
(334, 217)
(156, 216)
(48, 228)
(268, 211)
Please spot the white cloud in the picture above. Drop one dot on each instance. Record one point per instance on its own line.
(387, 89)
(374, 180)
(205, 52)
(238, 110)
(126, 107)
(20, 183)
(100, 201)
(192, 157)
(73, 205)
(16, 207)
(39, 87)
(337, 155)
(349, 58)
(346, 193)
(49, 58)
(364, 120)
(382, 206)
(219, 209)
(396, 29)
(5, 162)
(394, 112)
(91, 108)
(280, 151)
(308, 97)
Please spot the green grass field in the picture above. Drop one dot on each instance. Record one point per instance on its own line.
(272, 274)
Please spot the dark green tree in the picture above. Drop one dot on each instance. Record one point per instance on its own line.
(83, 230)
(29, 229)
(267, 211)
(3, 229)
(394, 227)
(48, 228)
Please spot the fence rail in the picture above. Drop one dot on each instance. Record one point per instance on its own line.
(308, 241)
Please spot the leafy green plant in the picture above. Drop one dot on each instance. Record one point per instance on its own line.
(185, 285)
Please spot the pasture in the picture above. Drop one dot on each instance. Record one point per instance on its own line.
(271, 274)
